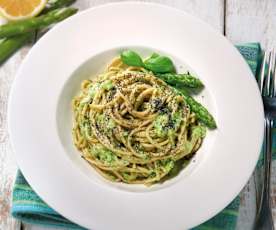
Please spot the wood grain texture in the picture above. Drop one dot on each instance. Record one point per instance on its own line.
(211, 11)
(251, 20)
(7, 163)
(247, 206)
(273, 191)
(246, 20)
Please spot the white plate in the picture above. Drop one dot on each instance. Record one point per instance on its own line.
(40, 119)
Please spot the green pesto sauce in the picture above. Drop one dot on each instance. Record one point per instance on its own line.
(171, 136)
(199, 131)
(100, 119)
(175, 168)
(93, 89)
(162, 127)
(110, 124)
(104, 155)
(167, 165)
(187, 146)
(164, 166)
(85, 100)
(159, 125)
(87, 130)
(105, 122)
(177, 118)
(107, 85)
(129, 176)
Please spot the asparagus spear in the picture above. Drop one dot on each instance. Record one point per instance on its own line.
(56, 4)
(201, 112)
(32, 24)
(10, 45)
(180, 80)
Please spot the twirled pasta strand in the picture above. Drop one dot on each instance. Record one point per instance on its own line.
(131, 126)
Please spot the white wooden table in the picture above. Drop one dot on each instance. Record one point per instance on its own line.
(240, 20)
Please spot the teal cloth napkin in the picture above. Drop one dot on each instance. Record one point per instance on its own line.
(28, 207)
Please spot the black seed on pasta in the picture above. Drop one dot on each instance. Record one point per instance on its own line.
(170, 125)
(157, 104)
(164, 110)
(120, 145)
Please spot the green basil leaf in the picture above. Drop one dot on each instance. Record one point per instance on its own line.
(131, 58)
(154, 55)
(159, 64)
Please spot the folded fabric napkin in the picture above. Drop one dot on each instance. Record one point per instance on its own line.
(28, 207)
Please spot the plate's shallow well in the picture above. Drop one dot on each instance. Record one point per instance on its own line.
(40, 119)
(90, 69)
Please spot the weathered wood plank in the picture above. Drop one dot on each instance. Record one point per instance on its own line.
(7, 163)
(8, 166)
(247, 206)
(211, 11)
(251, 20)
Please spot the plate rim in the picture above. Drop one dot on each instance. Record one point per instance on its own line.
(87, 11)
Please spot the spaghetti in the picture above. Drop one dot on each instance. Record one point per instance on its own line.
(132, 127)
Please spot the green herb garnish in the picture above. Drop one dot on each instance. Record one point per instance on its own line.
(131, 58)
(159, 64)
(155, 63)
